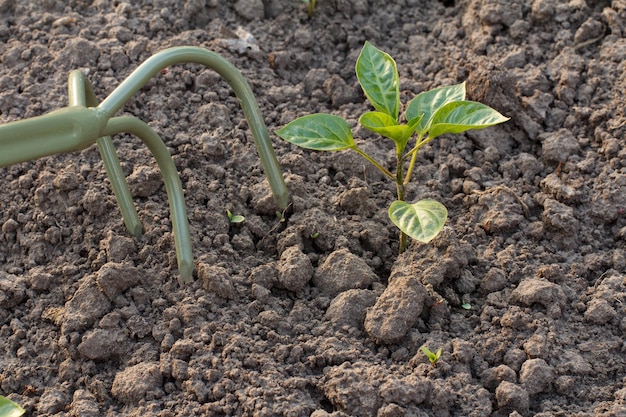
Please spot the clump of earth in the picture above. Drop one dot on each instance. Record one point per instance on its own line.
(312, 312)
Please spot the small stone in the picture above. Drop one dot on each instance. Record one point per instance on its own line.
(10, 226)
(406, 391)
(314, 79)
(536, 376)
(79, 53)
(351, 390)
(542, 10)
(354, 199)
(52, 401)
(599, 311)
(12, 290)
(494, 280)
(339, 92)
(565, 384)
(572, 362)
(558, 146)
(217, 280)
(102, 344)
(95, 202)
(514, 358)
(84, 404)
(466, 283)
(182, 349)
(590, 29)
(342, 271)
(250, 9)
(559, 217)
(397, 310)
(514, 59)
(349, 308)
(66, 181)
(118, 248)
(265, 276)
(294, 269)
(554, 186)
(131, 385)
(115, 278)
(180, 370)
(491, 378)
(538, 290)
(536, 346)
(512, 396)
(144, 181)
(86, 306)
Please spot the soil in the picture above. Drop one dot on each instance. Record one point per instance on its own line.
(313, 313)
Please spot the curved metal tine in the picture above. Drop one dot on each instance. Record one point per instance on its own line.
(191, 54)
(81, 94)
(173, 186)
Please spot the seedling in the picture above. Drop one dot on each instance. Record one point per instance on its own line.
(280, 215)
(428, 115)
(234, 218)
(85, 122)
(310, 6)
(10, 409)
(432, 357)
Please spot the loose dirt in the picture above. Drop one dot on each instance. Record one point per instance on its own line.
(314, 314)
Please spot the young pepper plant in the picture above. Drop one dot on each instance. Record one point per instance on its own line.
(428, 115)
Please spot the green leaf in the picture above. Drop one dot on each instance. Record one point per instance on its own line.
(235, 218)
(427, 103)
(459, 116)
(386, 126)
(422, 220)
(320, 132)
(378, 76)
(432, 357)
(9, 409)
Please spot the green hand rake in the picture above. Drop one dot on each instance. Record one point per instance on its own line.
(85, 122)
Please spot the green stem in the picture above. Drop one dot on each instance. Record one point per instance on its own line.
(237, 82)
(402, 183)
(173, 186)
(400, 189)
(375, 163)
(81, 93)
(413, 153)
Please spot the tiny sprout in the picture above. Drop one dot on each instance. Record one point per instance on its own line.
(310, 6)
(315, 235)
(466, 306)
(234, 218)
(432, 357)
(280, 216)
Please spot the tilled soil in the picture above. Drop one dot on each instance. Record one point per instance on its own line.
(312, 313)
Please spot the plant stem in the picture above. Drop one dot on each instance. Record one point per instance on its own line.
(400, 190)
(376, 164)
(413, 152)
(397, 179)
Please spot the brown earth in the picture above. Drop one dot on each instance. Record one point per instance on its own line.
(279, 322)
